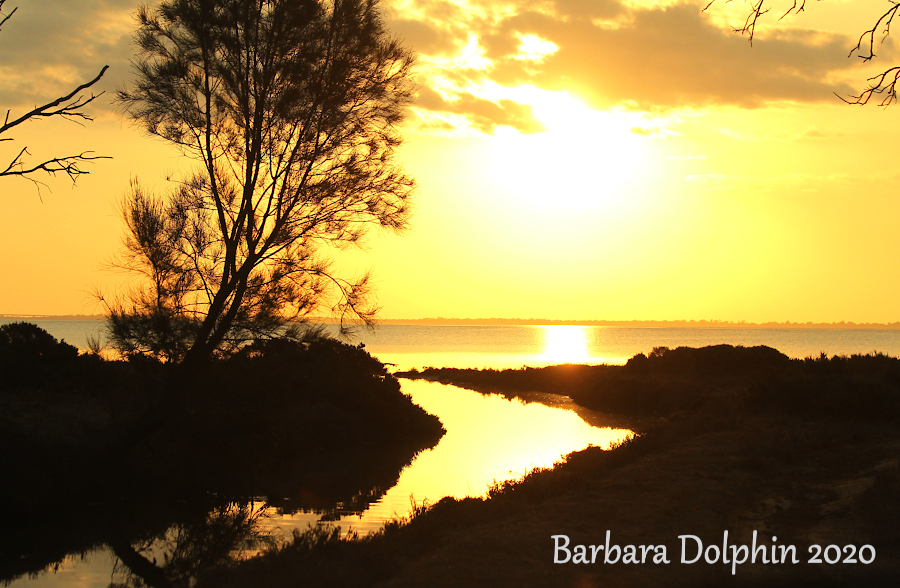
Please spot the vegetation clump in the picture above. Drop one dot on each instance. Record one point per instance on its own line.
(311, 422)
(805, 450)
(667, 381)
(31, 356)
(289, 111)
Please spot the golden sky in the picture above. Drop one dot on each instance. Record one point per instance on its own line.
(576, 159)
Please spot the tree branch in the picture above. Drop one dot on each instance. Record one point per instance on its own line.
(884, 83)
(885, 18)
(67, 164)
(67, 111)
(8, 16)
(68, 107)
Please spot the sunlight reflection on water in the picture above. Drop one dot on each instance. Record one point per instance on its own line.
(489, 439)
(514, 346)
(565, 344)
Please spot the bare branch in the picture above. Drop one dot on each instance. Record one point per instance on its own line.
(8, 16)
(68, 107)
(756, 11)
(67, 164)
(59, 107)
(884, 84)
(749, 28)
(795, 9)
(884, 20)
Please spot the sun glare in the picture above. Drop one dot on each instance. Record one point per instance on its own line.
(565, 344)
(584, 159)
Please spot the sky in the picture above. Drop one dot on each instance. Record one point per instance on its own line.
(575, 159)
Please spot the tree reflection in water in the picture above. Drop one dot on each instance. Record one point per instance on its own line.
(188, 551)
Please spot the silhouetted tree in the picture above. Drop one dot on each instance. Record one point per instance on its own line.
(68, 107)
(290, 108)
(30, 356)
(883, 84)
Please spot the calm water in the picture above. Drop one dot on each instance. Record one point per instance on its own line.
(515, 346)
(489, 439)
(418, 346)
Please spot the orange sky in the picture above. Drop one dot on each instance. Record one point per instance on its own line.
(575, 160)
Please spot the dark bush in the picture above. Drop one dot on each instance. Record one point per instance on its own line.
(712, 361)
(31, 356)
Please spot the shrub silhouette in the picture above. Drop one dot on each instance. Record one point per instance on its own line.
(666, 381)
(714, 360)
(247, 421)
(30, 355)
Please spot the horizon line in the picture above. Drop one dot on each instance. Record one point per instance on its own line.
(443, 321)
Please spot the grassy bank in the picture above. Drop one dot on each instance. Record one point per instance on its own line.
(747, 440)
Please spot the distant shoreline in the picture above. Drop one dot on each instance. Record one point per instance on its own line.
(488, 322)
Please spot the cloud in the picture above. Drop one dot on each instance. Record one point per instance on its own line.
(615, 53)
(425, 37)
(484, 115)
(672, 57)
(581, 10)
(49, 47)
(608, 52)
(750, 184)
(768, 137)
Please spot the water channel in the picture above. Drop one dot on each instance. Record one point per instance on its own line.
(489, 439)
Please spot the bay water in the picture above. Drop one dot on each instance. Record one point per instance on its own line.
(417, 346)
(489, 439)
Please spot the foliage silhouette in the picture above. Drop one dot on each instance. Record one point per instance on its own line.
(312, 422)
(290, 109)
(672, 380)
(191, 549)
(30, 355)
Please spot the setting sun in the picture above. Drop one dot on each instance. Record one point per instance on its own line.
(583, 161)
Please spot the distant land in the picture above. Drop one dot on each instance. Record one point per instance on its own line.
(52, 317)
(673, 324)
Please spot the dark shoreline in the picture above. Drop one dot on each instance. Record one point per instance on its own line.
(95, 452)
(731, 438)
(747, 440)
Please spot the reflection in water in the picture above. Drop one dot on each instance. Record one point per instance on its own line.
(489, 439)
(188, 551)
(497, 347)
(565, 344)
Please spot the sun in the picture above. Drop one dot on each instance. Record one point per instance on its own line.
(584, 159)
